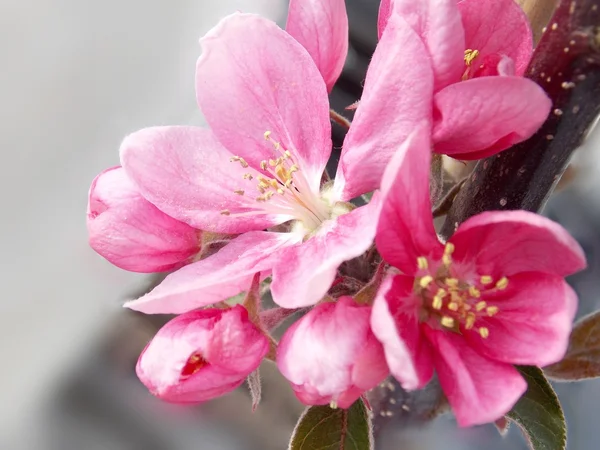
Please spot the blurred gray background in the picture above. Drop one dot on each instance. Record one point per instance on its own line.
(76, 77)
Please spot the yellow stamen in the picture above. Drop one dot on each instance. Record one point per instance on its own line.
(333, 404)
(422, 263)
(474, 292)
(449, 248)
(453, 306)
(480, 306)
(502, 283)
(267, 135)
(447, 322)
(441, 293)
(437, 302)
(239, 192)
(451, 282)
(492, 310)
(248, 176)
(225, 212)
(263, 165)
(484, 332)
(470, 56)
(425, 281)
(486, 279)
(470, 321)
(446, 260)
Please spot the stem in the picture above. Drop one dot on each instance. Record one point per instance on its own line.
(339, 119)
(523, 176)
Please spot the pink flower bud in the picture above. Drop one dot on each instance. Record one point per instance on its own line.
(131, 232)
(331, 355)
(201, 355)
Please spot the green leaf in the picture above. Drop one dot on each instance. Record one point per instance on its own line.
(539, 414)
(582, 360)
(325, 428)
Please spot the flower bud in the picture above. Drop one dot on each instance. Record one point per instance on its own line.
(201, 355)
(331, 355)
(131, 232)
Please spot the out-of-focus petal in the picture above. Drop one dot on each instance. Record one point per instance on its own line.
(131, 232)
(479, 389)
(188, 174)
(385, 9)
(395, 323)
(504, 243)
(483, 116)
(321, 26)
(254, 77)
(533, 323)
(497, 26)
(405, 230)
(218, 277)
(397, 97)
(304, 273)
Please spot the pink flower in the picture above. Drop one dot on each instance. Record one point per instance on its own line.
(132, 233)
(261, 163)
(202, 355)
(478, 51)
(321, 26)
(331, 355)
(493, 296)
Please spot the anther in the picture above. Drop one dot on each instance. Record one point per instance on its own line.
(280, 191)
(441, 293)
(248, 176)
(449, 248)
(239, 192)
(474, 292)
(333, 404)
(486, 279)
(502, 283)
(422, 263)
(484, 332)
(425, 281)
(470, 56)
(267, 135)
(447, 322)
(451, 282)
(491, 310)
(225, 212)
(470, 321)
(453, 306)
(480, 306)
(273, 162)
(263, 165)
(437, 302)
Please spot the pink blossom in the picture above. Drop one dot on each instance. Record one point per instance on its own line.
(261, 163)
(201, 355)
(478, 51)
(132, 233)
(331, 355)
(493, 296)
(321, 26)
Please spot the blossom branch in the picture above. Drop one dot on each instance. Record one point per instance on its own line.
(567, 64)
(339, 119)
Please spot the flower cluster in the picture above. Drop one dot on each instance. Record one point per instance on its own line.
(247, 201)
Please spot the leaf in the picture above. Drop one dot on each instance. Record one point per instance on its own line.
(582, 360)
(539, 414)
(325, 428)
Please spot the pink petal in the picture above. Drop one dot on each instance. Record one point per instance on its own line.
(405, 230)
(497, 26)
(385, 9)
(218, 277)
(397, 97)
(479, 390)
(305, 272)
(331, 354)
(188, 174)
(504, 243)
(395, 323)
(253, 77)
(438, 23)
(321, 26)
(201, 355)
(533, 324)
(483, 116)
(131, 232)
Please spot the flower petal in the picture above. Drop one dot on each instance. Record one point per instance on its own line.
(497, 27)
(405, 230)
(131, 232)
(254, 77)
(218, 277)
(478, 389)
(321, 26)
(533, 324)
(438, 23)
(188, 174)
(397, 97)
(395, 324)
(504, 243)
(385, 9)
(487, 115)
(305, 271)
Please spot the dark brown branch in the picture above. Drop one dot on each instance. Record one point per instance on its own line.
(566, 64)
